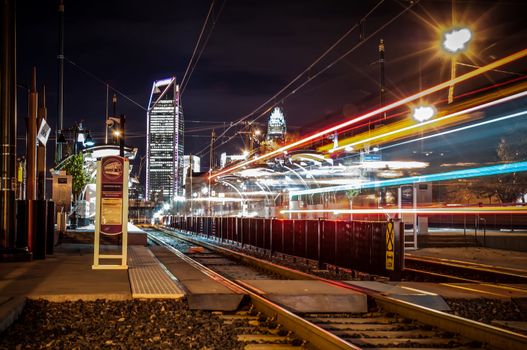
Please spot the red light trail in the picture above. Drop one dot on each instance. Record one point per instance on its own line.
(461, 78)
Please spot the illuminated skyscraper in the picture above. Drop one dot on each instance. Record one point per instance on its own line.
(164, 142)
(276, 127)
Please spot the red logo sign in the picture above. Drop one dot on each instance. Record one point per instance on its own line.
(111, 215)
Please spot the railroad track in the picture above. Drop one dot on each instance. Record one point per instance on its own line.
(389, 323)
(447, 270)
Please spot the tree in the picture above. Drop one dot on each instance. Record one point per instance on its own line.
(74, 166)
(512, 148)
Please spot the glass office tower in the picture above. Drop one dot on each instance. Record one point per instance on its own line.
(164, 142)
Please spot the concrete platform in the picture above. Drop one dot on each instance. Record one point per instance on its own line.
(10, 309)
(305, 296)
(66, 275)
(203, 292)
(409, 294)
(496, 239)
(84, 234)
(148, 278)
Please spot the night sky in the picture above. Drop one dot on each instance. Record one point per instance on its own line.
(254, 50)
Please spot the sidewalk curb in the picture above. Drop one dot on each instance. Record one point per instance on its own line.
(10, 310)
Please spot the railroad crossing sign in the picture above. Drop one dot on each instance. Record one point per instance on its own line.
(390, 239)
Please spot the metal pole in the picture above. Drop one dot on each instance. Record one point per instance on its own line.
(60, 105)
(31, 147)
(122, 135)
(271, 237)
(190, 194)
(8, 126)
(41, 151)
(114, 114)
(212, 157)
(106, 117)
(381, 71)
(319, 241)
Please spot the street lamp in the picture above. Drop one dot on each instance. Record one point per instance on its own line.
(89, 140)
(80, 135)
(423, 113)
(455, 42)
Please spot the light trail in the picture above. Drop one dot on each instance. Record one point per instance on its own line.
(460, 211)
(378, 111)
(456, 174)
(399, 129)
(495, 120)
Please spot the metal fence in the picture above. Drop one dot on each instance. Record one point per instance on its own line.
(368, 246)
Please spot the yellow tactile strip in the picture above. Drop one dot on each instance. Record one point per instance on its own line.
(148, 278)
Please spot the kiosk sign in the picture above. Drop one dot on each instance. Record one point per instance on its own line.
(112, 195)
(112, 208)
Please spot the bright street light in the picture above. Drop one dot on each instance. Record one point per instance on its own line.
(116, 133)
(423, 113)
(456, 40)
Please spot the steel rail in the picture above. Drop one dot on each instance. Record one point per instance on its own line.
(497, 269)
(431, 274)
(316, 336)
(498, 338)
(469, 267)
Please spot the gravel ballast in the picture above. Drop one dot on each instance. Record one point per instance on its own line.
(486, 310)
(133, 324)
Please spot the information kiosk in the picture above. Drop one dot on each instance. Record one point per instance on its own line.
(111, 218)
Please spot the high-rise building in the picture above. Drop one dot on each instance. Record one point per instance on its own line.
(164, 142)
(196, 163)
(276, 127)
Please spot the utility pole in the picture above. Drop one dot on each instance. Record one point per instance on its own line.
(31, 146)
(114, 104)
(212, 155)
(60, 107)
(8, 118)
(122, 119)
(191, 189)
(41, 151)
(106, 117)
(381, 72)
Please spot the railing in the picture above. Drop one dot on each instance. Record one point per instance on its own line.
(367, 246)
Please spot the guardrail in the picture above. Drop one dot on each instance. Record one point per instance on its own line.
(367, 246)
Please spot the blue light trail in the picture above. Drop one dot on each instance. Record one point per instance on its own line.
(456, 174)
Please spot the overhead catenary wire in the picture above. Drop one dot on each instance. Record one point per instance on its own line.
(192, 63)
(198, 41)
(330, 65)
(184, 82)
(300, 75)
(105, 83)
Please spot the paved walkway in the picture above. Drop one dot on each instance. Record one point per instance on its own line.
(66, 275)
